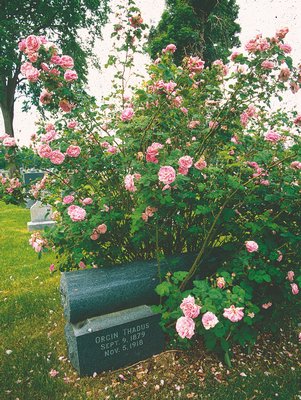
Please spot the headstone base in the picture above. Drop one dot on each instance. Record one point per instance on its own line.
(114, 340)
(39, 226)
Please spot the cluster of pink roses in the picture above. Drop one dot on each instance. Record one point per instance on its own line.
(7, 140)
(10, 184)
(56, 156)
(294, 286)
(37, 242)
(149, 212)
(185, 326)
(129, 182)
(152, 152)
(99, 230)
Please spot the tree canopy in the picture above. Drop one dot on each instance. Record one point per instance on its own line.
(60, 20)
(206, 28)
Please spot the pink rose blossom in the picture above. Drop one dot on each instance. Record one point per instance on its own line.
(193, 124)
(234, 55)
(44, 151)
(295, 289)
(9, 141)
(264, 182)
(49, 136)
(234, 314)
(73, 151)
(272, 136)
(251, 246)
(189, 308)
(200, 164)
(32, 57)
(183, 170)
(280, 256)
(195, 64)
(299, 337)
(87, 201)
(82, 265)
(171, 48)
(49, 127)
(65, 105)
(265, 306)
(184, 110)
(209, 320)
(33, 43)
(66, 62)
(152, 152)
(220, 282)
(55, 59)
(68, 199)
(72, 124)
(70, 75)
(285, 47)
(266, 64)
(185, 327)
(167, 174)
(281, 33)
(76, 213)
(290, 276)
(101, 229)
(56, 157)
(45, 97)
(127, 114)
(53, 373)
(129, 183)
(51, 267)
(94, 235)
(185, 162)
(22, 45)
(112, 149)
(55, 72)
(284, 73)
(296, 165)
(297, 121)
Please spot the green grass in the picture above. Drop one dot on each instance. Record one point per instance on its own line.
(32, 326)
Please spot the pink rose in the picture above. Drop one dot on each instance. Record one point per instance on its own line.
(234, 314)
(251, 246)
(66, 62)
(170, 48)
(280, 256)
(44, 151)
(209, 320)
(152, 152)
(201, 164)
(9, 141)
(127, 114)
(55, 59)
(272, 136)
(56, 157)
(33, 43)
(295, 289)
(51, 267)
(82, 265)
(73, 151)
(49, 127)
(68, 199)
(193, 124)
(285, 47)
(290, 276)
(167, 175)
(87, 201)
(45, 97)
(129, 183)
(267, 305)
(220, 282)
(94, 235)
(189, 308)
(112, 149)
(32, 57)
(185, 162)
(49, 136)
(101, 229)
(296, 165)
(284, 73)
(72, 124)
(195, 64)
(299, 337)
(297, 121)
(22, 45)
(76, 213)
(185, 327)
(65, 105)
(266, 64)
(54, 72)
(281, 33)
(70, 75)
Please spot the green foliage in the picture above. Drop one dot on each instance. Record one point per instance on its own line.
(202, 28)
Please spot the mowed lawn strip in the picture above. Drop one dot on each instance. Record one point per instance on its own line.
(32, 343)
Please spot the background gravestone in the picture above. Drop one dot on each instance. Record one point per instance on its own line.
(40, 217)
(31, 177)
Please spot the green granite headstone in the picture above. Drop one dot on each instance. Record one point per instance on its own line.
(114, 340)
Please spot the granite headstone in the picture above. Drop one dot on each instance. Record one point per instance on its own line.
(114, 340)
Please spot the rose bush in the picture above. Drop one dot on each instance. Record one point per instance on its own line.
(195, 161)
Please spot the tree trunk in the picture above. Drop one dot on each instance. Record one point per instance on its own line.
(8, 117)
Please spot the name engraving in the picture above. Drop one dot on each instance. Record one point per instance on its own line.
(123, 340)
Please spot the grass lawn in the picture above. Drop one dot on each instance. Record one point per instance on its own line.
(32, 343)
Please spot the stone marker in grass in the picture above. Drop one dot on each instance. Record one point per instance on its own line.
(40, 217)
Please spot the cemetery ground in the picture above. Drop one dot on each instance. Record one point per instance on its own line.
(32, 343)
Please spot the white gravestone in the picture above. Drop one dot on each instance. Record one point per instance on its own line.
(40, 217)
